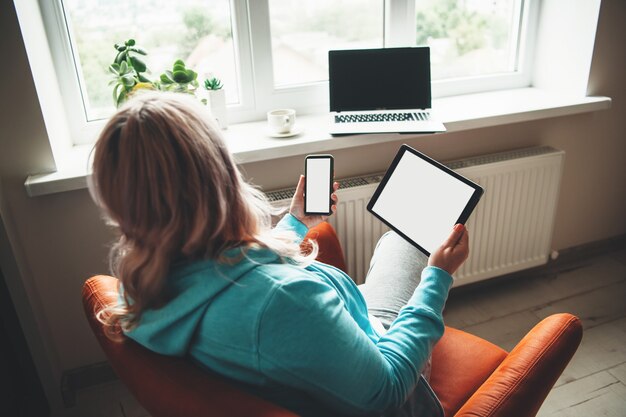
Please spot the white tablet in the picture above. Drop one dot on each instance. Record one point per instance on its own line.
(422, 199)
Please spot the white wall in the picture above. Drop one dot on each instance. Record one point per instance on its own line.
(57, 241)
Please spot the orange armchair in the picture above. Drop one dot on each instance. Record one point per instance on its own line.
(471, 376)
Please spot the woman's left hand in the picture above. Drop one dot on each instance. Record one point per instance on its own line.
(297, 205)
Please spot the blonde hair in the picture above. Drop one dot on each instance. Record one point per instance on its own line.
(164, 176)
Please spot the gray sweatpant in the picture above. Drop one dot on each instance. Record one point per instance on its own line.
(394, 273)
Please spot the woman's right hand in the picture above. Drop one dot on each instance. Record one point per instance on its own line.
(453, 252)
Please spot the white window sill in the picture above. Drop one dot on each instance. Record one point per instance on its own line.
(249, 142)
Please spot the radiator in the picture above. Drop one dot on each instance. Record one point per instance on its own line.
(510, 230)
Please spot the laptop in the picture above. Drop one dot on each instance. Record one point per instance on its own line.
(381, 91)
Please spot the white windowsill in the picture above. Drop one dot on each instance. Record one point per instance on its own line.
(249, 141)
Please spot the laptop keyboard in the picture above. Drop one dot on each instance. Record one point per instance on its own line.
(382, 117)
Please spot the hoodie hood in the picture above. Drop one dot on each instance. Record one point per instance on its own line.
(170, 329)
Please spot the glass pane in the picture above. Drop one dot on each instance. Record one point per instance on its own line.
(469, 37)
(304, 31)
(197, 31)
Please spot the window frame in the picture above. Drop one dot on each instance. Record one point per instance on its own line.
(253, 52)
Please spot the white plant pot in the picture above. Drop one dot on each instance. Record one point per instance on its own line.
(216, 100)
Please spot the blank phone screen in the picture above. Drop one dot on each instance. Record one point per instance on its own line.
(422, 201)
(317, 175)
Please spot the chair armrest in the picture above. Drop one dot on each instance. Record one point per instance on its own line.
(330, 251)
(465, 359)
(520, 384)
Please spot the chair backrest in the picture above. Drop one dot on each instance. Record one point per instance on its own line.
(172, 387)
(168, 386)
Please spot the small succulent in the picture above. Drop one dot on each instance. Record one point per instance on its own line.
(213, 84)
(179, 79)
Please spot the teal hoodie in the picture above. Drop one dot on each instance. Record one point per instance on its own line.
(297, 336)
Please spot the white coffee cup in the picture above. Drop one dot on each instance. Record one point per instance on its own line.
(281, 120)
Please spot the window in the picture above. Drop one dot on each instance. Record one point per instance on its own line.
(273, 53)
(198, 31)
(469, 38)
(304, 32)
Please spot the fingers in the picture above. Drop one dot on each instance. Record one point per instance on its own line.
(300, 186)
(453, 252)
(455, 236)
(334, 198)
(333, 210)
(464, 241)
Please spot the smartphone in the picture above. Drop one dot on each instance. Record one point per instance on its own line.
(318, 184)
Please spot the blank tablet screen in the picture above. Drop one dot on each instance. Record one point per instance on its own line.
(423, 201)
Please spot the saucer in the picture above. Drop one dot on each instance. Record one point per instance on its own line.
(295, 131)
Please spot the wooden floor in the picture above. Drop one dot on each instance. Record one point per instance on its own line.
(593, 288)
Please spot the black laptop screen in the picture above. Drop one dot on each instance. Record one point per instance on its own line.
(371, 79)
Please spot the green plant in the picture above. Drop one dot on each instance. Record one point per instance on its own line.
(128, 75)
(180, 79)
(127, 69)
(123, 82)
(128, 52)
(213, 84)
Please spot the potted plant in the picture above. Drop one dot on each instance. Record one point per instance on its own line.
(128, 71)
(215, 98)
(180, 79)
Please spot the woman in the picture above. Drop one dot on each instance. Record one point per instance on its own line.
(204, 275)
